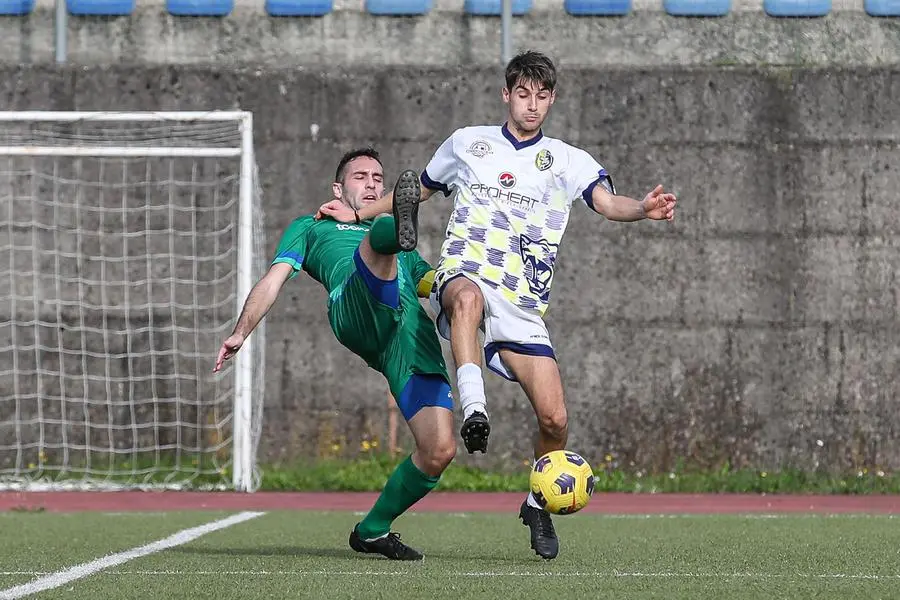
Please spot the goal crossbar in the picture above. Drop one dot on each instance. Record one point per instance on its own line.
(244, 117)
(120, 151)
(110, 117)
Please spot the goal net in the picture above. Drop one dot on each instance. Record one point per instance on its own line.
(128, 243)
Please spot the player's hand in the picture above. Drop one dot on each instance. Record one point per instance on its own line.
(229, 348)
(659, 205)
(338, 211)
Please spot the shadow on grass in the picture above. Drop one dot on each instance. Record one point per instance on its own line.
(348, 553)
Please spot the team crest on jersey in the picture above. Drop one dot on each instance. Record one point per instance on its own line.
(543, 160)
(538, 256)
(507, 179)
(480, 148)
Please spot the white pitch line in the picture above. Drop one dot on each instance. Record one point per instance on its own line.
(58, 578)
(487, 574)
(698, 516)
(750, 516)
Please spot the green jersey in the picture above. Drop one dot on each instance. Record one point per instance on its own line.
(397, 341)
(325, 248)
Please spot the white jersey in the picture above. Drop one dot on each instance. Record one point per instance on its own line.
(512, 207)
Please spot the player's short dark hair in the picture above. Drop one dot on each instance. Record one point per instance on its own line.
(345, 160)
(531, 66)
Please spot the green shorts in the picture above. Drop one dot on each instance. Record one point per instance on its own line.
(383, 323)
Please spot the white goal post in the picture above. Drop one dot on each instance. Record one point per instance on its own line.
(128, 244)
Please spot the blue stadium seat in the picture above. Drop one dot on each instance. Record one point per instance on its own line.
(100, 7)
(398, 7)
(199, 8)
(493, 7)
(16, 7)
(697, 8)
(598, 7)
(299, 8)
(883, 8)
(797, 8)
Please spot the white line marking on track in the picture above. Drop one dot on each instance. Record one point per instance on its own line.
(53, 580)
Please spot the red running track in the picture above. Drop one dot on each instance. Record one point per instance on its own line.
(443, 502)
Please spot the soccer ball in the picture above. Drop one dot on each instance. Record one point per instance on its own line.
(562, 482)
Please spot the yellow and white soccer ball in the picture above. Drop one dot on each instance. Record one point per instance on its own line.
(562, 482)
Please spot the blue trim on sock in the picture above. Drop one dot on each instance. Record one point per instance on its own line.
(386, 291)
(424, 390)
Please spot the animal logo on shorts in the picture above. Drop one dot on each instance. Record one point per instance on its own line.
(538, 256)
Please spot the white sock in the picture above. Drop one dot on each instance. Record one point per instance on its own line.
(531, 500)
(471, 389)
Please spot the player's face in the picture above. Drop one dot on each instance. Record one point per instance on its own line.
(363, 182)
(529, 104)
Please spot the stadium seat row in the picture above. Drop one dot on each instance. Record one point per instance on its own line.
(313, 8)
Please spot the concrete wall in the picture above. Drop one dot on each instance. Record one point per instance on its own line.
(759, 328)
(348, 37)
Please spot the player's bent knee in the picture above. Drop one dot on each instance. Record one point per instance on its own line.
(466, 301)
(554, 424)
(439, 454)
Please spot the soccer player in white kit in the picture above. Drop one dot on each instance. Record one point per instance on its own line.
(516, 188)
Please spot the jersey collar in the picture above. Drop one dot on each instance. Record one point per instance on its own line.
(516, 143)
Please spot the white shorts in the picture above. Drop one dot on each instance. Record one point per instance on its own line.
(505, 325)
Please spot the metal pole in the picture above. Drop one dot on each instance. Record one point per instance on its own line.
(505, 31)
(242, 421)
(61, 23)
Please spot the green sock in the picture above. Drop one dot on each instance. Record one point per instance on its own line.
(383, 235)
(406, 486)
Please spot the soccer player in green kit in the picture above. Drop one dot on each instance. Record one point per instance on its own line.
(374, 279)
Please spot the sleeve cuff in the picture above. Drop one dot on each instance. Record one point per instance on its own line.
(431, 184)
(603, 179)
(291, 258)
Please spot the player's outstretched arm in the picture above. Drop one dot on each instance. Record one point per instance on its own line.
(657, 205)
(259, 301)
(339, 211)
